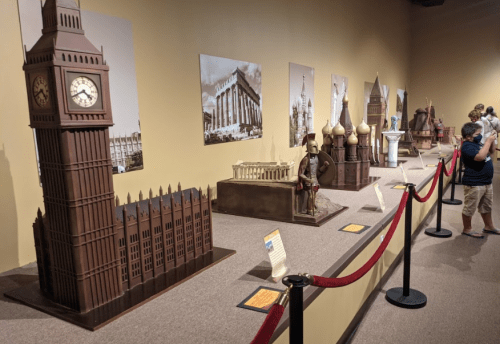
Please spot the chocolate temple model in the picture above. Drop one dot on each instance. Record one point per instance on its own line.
(90, 250)
(348, 155)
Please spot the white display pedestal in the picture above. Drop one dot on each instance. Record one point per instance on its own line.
(393, 139)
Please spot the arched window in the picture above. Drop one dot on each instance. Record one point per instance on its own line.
(69, 58)
(64, 57)
(92, 60)
(65, 20)
(62, 23)
(76, 60)
(81, 59)
(77, 23)
(73, 21)
(86, 60)
(96, 60)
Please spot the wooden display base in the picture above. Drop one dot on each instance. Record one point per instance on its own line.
(351, 187)
(268, 200)
(32, 296)
(318, 219)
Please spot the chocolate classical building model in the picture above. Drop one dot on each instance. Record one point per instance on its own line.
(90, 251)
(348, 154)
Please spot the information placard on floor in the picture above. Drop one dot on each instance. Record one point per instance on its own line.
(261, 300)
(354, 228)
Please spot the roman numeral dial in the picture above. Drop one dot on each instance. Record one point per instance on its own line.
(83, 91)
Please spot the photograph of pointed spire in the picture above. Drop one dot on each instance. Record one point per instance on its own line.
(93, 31)
(339, 89)
(301, 102)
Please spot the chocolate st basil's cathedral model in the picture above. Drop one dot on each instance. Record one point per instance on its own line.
(348, 155)
(90, 250)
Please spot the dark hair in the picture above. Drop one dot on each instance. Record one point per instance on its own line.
(479, 107)
(469, 129)
(489, 109)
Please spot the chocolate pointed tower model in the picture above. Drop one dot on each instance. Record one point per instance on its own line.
(68, 91)
(89, 249)
(376, 111)
(407, 139)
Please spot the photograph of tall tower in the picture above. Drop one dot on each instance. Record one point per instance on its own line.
(339, 89)
(231, 97)
(301, 103)
(112, 36)
(400, 95)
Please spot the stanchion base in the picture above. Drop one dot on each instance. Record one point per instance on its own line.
(443, 233)
(415, 300)
(452, 201)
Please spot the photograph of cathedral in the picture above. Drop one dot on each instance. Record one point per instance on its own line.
(400, 96)
(115, 34)
(231, 97)
(339, 89)
(301, 103)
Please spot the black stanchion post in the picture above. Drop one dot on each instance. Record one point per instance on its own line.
(406, 297)
(452, 200)
(438, 231)
(296, 306)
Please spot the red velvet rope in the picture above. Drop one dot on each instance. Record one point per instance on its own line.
(452, 167)
(325, 282)
(269, 325)
(436, 176)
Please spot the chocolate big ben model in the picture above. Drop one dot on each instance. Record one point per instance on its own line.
(376, 111)
(69, 103)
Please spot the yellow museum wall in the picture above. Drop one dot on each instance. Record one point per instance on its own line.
(455, 59)
(352, 38)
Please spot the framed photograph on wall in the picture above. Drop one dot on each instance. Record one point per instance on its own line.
(231, 98)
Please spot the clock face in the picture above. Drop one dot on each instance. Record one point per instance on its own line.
(41, 91)
(83, 91)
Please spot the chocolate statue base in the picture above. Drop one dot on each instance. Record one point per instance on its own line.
(271, 201)
(32, 296)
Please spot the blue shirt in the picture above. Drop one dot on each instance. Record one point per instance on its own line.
(476, 172)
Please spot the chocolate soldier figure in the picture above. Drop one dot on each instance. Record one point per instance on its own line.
(440, 130)
(309, 171)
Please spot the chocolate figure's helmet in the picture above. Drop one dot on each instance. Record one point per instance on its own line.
(312, 145)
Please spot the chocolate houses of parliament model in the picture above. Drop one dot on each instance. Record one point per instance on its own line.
(348, 154)
(90, 250)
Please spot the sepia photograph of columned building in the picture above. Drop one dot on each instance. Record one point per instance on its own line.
(231, 99)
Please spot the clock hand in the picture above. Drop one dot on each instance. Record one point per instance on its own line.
(76, 94)
(44, 95)
(36, 95)
(88, 95)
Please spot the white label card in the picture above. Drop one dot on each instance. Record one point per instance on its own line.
(421, 160)
(379, 196)
(404, 173)
(277, 255)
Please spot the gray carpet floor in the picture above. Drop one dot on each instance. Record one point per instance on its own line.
(460, 277)
(203, 309)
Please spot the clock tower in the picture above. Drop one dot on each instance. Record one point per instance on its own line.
(68, 93)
